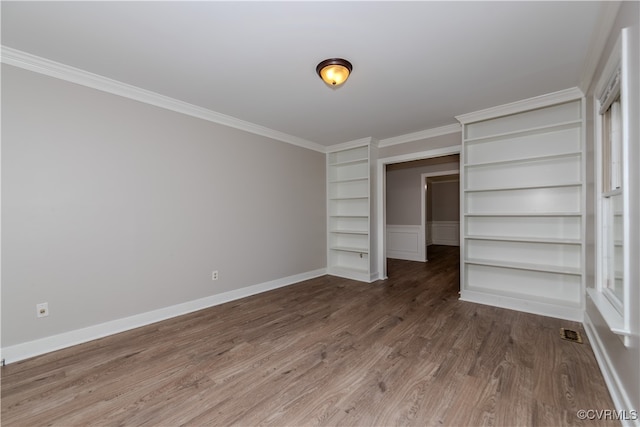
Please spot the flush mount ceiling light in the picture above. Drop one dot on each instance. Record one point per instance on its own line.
(334, 71)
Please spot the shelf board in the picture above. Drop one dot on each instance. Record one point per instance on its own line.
(340, 181)
(527, 239)
(525, 159)
(524, 187)
(349, 272)
(363, 160)
(616, 192)
(524, 214)
(526, 266)
(350, 249)
(529, 131)
(361, 232)
(516, 295)
(351, 269)
(349, 198)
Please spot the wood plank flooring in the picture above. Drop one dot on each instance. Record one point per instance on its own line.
(326, 351)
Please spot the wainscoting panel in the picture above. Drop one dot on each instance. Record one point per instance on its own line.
(405, 242)
(445, 233)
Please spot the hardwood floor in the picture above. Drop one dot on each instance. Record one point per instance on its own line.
(327, 351)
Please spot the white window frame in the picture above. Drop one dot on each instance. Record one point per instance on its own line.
(605, 196)
(614, 311)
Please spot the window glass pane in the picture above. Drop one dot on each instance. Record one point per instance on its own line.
(606, 151)
(616, 145)
(612, 147)
(618, 246)
(613, 246)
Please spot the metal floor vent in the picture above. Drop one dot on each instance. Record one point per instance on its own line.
(570, 335)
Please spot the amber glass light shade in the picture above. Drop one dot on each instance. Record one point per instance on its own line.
(335, 71)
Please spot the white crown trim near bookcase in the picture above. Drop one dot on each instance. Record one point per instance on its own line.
(65, 72)
(604, 27)
(523, 105)
(420, 135)
(352, 144)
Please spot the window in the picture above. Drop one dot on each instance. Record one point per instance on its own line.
(611, 203)
(616, 141)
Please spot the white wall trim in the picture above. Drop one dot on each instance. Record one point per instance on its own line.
(27, 61)
(447, 180)
(57, 70)
(445, 233)
(351, 144)
(40, 346)
(348, 273)
(406, 242)
(606, 20)
(521, 304)
(428, 237)
(396, 140)
(559, 97)
(619, 396)
(436, 152)
(381, 264)
(420, 135)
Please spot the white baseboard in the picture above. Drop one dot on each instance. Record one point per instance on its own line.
(620, 398)
(40, 346)
(533, 307)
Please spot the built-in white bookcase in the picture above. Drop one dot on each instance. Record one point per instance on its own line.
(522, 204)
(349, 213)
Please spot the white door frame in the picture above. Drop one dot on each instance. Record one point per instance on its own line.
(381, 203)
(423, 199)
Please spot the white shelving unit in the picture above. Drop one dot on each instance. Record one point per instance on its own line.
(522, 203)
(349, 213)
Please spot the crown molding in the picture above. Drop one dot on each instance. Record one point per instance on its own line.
(351, 144)
(420, 135)
(65, 72)
(559, 97)
(606, 19)
(395, 140)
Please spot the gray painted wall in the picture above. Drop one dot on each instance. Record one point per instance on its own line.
(445, 201)
(111, 207)
(404, 189)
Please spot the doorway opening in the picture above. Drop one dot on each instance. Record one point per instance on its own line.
(441, 208)
(443, 160)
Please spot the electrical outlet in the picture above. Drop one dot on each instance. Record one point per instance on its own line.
(214, 275)
(42, 309)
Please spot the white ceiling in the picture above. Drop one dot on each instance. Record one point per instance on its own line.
(416, 64)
